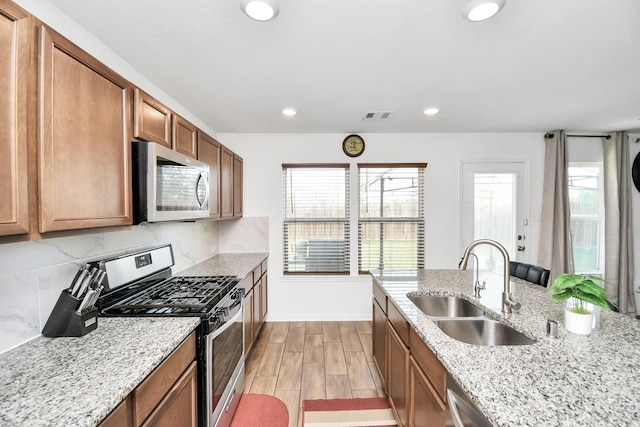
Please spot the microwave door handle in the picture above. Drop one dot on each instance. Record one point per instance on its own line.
(202, 178)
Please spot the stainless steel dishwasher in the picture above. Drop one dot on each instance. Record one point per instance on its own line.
(461, 412)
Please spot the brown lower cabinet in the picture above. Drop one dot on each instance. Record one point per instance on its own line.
(413, 377)
(398, 376)
(167, 397)
(255, 305)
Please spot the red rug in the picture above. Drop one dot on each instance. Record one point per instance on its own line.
(366, 412)
(260, 410)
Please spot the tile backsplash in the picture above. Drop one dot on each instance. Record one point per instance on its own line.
(32, 274)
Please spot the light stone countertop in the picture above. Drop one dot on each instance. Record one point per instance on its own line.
(230, 264)
(78, 381)
(572, 380)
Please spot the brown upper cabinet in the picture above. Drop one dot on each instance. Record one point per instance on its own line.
(209, 152)
(226, 183)
(237, 185)
(66, 126)
(231, 170)
(14, 66)
(185, 137)
(84, 132)
(151, 119)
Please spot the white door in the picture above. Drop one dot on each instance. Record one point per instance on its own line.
(493, 197)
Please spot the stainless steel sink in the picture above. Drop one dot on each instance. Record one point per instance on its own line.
(445, 306)
(482, 332)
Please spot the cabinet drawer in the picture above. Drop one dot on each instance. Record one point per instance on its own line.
(379, 295)
(400, 325)
(429, 364)
(148, 394)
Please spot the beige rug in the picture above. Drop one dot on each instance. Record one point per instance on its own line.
(367, 412)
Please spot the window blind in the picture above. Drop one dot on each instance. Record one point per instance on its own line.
(316, 219)
(391, 216)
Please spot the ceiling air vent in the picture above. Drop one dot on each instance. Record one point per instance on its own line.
(377, 115)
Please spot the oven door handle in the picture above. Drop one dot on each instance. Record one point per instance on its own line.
(226, 324)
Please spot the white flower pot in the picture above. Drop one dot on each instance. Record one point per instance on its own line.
(580, 324)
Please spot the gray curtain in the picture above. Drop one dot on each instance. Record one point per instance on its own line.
(618, 236)
(555, 250)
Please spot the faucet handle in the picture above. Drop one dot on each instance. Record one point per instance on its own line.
(477, 287)
(516, 306)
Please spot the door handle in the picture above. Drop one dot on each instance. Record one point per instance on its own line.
(521, 248)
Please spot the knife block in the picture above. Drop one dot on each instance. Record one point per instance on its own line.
(65, 321)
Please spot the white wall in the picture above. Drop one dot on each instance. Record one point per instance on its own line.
(318, 298)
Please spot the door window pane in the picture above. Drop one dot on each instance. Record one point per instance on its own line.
(494, 216)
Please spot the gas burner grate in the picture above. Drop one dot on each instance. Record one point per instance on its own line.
(178, 295)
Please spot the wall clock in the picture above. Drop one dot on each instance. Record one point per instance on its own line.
(353, 145)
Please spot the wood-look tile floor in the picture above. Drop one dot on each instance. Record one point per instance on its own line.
(296, 361)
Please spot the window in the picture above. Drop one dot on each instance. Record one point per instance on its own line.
(316, 218)
(391, 216)
(586, 201)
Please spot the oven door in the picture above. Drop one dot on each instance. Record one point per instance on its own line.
(225, 362)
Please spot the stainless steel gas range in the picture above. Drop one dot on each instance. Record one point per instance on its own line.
(141, 284)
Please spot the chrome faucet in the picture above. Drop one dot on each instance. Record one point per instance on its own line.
(508, 304)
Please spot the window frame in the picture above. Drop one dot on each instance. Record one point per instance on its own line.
(599, 218)
(346, 220)
(419, 220)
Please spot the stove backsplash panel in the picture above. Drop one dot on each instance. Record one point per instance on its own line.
(32, 274)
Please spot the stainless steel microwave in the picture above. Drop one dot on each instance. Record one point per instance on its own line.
(167, 185)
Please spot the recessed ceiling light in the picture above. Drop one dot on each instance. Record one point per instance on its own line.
(289, 112)
(480, 10)
(431, 111)
(260, 10)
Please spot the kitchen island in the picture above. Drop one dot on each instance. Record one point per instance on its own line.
(570, 380)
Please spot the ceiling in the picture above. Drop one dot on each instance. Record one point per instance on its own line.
(536, 66)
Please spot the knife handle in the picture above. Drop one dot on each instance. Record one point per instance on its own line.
(76, 285)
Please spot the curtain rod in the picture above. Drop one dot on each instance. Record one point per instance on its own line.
(550, 135)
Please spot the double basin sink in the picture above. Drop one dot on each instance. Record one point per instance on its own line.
(463, 321)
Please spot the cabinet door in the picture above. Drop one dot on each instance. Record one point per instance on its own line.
(257, 323)
(426, 407)
(263, 298)
(379, 326)
(226, 183)
(249, 301)
(185, 137)
(14, 66)
(84, 131)
(179, 407)
(237, 185)
(209, 152)
(122, 416)
(151, 119)
(398, 375)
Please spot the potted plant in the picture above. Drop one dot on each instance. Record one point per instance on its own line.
(584, 290)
